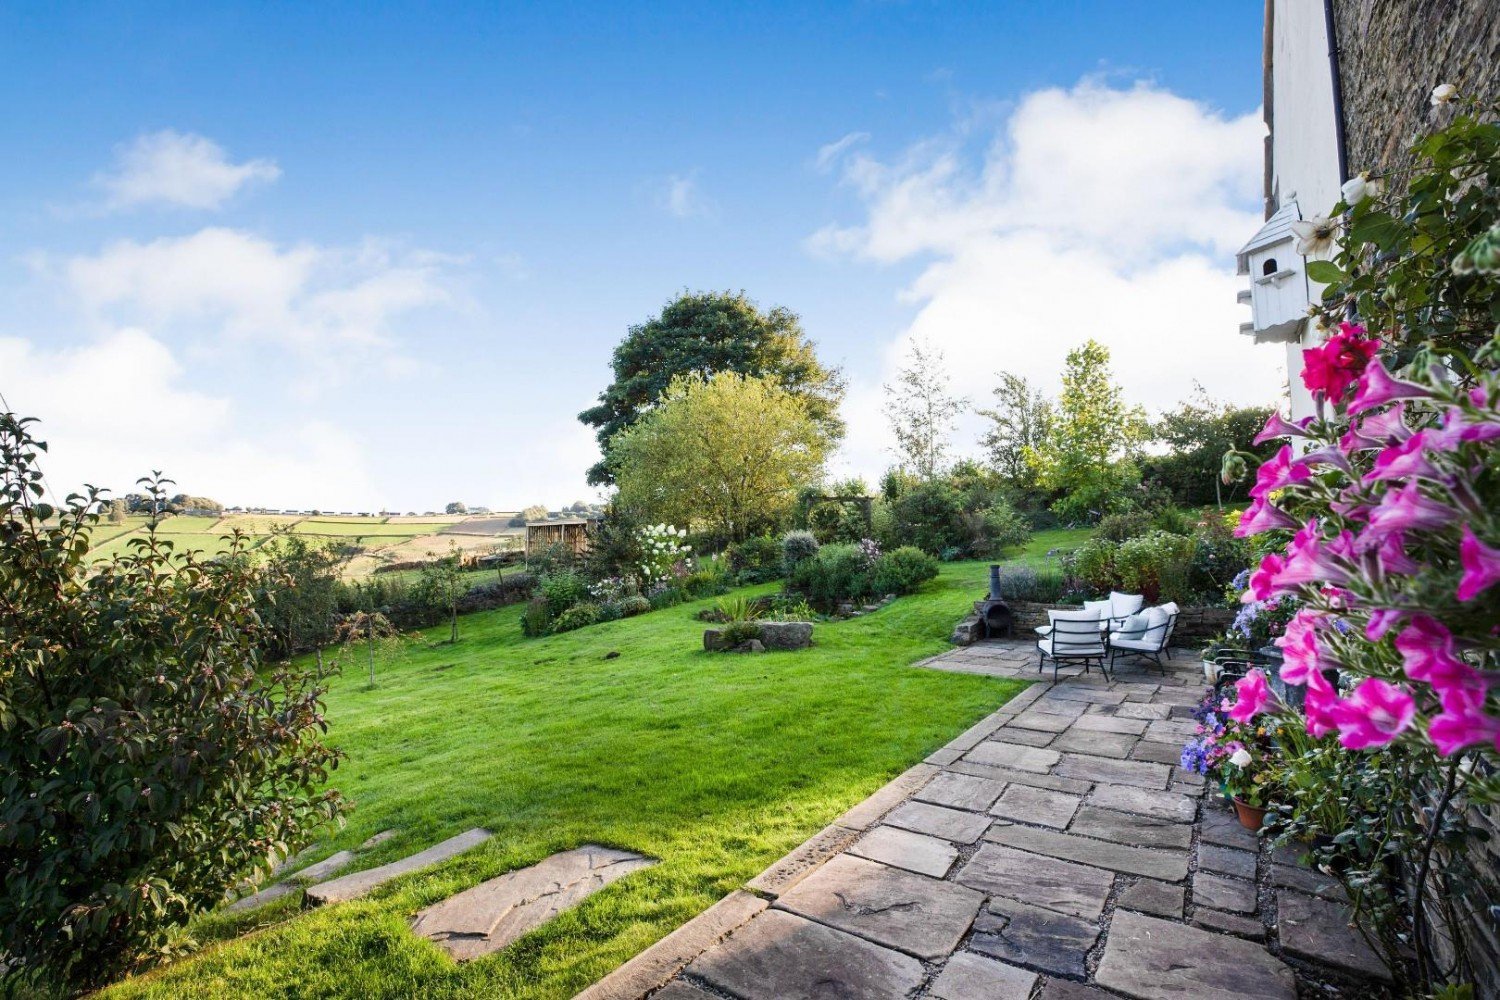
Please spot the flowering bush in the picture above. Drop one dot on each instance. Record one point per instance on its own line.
(664, 556)
(1387, 526)
(1235, 752)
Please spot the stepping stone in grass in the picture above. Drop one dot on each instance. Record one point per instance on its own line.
(359, 883)
(486, 918)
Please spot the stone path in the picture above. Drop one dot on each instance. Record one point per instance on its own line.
(1054, 851)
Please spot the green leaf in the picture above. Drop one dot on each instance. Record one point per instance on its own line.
(1325, 271)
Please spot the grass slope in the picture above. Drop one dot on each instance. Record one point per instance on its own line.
(716, 764)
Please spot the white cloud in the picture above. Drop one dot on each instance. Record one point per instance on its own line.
(1092, 212)
(829, 155)
(116, 409)
(683, 197)
(179, 169)
(331, 306)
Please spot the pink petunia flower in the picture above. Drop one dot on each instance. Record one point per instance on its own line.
(1481, 566)
(1377, 387)
(1252, 695)
(1462, 723)
(1374, 715)
(1426, 648)
(1301, 652)
(1278, 471)
(1278, 426)
(1381, 622)
(1262, 516)
(1458, 428)
(1263, 578)
(1379, 430)
(1318, 705)
(1332, 368)
(1309, 559)
(1405, 461)
(1407, 509)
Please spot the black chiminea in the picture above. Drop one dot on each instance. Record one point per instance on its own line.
(993, 610)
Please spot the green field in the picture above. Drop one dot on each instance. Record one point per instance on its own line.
(716, 764)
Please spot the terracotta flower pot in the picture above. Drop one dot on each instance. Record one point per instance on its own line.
(1251, 817)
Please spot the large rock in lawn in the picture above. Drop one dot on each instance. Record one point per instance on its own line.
(713, 640)
(786, 635)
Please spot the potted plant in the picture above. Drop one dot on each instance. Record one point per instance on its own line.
(1250, 780)
(1239, 756)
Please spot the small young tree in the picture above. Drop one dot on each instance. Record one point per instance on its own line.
(299, 592)
(445, 576)
(1094, 435)
(922, 411)
(147, 762)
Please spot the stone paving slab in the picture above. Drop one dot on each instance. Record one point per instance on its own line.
(489, 916)
(939, 821)
(1014, 777)
(1040, 938)
(1169, 866)
(1130, 828)
(1172, 806)
(1226, 860)
(1230, 894)
(1151, 958)
(781, 956)
(969, 977)
(912, 913)
(1040, 721)
(1013, 755)
(1141, 774)
(1036, 805)
(1318, 930)
(1155, 898)
(961, 791)
(1078, 890)
(1123, 725)
(1026, 737)
(359, 883)
(1100, 744)
(803, 860)
(916, 852)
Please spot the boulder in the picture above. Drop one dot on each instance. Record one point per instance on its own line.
(713, 639)
(786, 635)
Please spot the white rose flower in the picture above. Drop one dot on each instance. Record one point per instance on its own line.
(1444, 93)
(1357, 189)
(1314, 235)
(1241, 758)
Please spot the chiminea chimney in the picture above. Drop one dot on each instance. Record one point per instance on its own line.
(995, 594)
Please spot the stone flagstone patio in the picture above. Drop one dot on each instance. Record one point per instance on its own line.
(1055, 850)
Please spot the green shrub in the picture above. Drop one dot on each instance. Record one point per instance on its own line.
(1000, 527)
(756, 560)
(902, 571)
(550, 559)
(665, 597)
(576, 617)
(563, 589)
(536, 620)
(790, 608)
(737, 609)
(611, 611)
(1039, 584)
(1148, 564)
(836, 574)
(635, 605)
(1118, 527)
(1172, 520)
(149, 760)
(1094, 564)
(797, 547)
(930, 516)
(708, 579)
(738, 633)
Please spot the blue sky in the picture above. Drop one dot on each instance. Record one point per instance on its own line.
(376, 255)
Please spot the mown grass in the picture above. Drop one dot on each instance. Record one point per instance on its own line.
(717, 764)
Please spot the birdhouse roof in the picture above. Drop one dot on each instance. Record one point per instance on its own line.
(1278, 229)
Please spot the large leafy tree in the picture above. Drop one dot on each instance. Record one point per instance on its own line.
(922, 411)
(1021, 420)
(728, 453)
(1197, 433)
(703, 333)
(1095, 435)
(149, 761)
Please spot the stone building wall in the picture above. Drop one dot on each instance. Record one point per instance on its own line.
(1392, 53)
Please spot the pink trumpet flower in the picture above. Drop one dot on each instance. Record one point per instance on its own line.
(1377, 387)
(1426, 646)
(1318, 705)
(1463, 723)
(1278, 471)
(1278, 426)
(1262, 516)
(1405, 461)
(1406, 509)
(1302, 655)
(1251, 696)
(1263, 579)
(1381, 622)
(1481, 566)
(1374, 715)
(1379, 430)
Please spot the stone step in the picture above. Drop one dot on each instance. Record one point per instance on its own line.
(312, 873)
(357, 884)
(489, 916)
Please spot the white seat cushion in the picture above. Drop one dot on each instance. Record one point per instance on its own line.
(1102, 607)
(1156, 618)
(1044, 630)
(1064, 651)
(1143, 645)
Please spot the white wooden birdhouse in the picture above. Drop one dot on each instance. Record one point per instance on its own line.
(1279, 294)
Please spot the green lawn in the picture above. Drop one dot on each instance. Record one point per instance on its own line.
(715, 763)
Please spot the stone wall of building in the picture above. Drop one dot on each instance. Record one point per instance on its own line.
(1392, 53)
